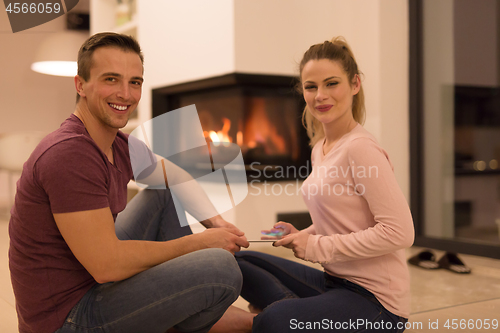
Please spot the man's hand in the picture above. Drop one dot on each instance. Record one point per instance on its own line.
(224, 238)
(295, 241)
(222, 234)
(221, 223)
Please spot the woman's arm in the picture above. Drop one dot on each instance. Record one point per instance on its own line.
(393, 229)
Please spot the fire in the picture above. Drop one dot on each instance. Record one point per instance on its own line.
(220, 136)
(214, 137)
(239, 138)
(260, 131)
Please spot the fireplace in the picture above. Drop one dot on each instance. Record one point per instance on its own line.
(260, 113)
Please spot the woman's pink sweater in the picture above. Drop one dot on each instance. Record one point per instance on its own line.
(361, 220)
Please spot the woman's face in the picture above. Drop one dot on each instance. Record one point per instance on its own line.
(327, 91)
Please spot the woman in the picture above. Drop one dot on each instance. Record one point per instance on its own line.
(361, 220)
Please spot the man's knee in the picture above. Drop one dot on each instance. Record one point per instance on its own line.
(162, 195)
(222, 266)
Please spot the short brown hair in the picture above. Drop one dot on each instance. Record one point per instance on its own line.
(103, 39)
(335, 50)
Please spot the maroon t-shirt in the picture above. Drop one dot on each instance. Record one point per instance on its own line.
(67, 172)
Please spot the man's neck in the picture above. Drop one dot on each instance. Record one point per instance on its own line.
(102, 135)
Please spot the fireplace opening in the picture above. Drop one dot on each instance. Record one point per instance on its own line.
(260, 113)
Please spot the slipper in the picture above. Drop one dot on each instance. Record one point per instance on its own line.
(450, 261)
(424, 259)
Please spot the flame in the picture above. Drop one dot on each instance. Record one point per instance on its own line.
(239, 138)
(226, 126)
(261, 131)
(214, 137)
(221, 136)
(257, 131)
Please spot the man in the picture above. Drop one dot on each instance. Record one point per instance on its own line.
(76, 266)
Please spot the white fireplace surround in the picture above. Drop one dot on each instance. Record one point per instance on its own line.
(186, 41)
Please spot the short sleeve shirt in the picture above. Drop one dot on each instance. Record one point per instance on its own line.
(67, 172)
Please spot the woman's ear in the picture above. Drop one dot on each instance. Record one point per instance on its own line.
(356, 84)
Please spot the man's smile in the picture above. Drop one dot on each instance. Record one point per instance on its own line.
(119, 107)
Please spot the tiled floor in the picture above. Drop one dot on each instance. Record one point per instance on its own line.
(437, 296)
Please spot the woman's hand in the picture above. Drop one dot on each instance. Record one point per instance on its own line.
(297, 242)
(279, 230)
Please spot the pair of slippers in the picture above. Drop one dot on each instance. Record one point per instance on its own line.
(450, 261)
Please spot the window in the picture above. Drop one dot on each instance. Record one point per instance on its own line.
(455, 124)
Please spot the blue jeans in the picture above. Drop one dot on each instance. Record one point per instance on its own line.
(296, 297)
(190, 293)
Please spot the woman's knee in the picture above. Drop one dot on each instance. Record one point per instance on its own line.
(246, 254)
(272, 319)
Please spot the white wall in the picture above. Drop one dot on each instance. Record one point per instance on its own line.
(188, 40)
(393, 87)
(30, 101)
(273, 41)
(184, 41)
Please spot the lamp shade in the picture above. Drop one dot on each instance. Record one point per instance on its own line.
(57, 54)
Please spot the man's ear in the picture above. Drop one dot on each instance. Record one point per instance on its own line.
(79, 81)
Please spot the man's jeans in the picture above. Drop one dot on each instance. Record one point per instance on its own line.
(189, 293)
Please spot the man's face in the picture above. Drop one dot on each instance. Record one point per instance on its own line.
(114, 87)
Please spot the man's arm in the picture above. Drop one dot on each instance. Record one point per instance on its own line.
(192, 196)
(91, 237)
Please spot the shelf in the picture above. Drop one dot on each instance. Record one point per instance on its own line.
(105, 15)
(465, 172)
(129, 28)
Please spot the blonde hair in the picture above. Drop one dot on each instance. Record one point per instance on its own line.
(335, 50)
